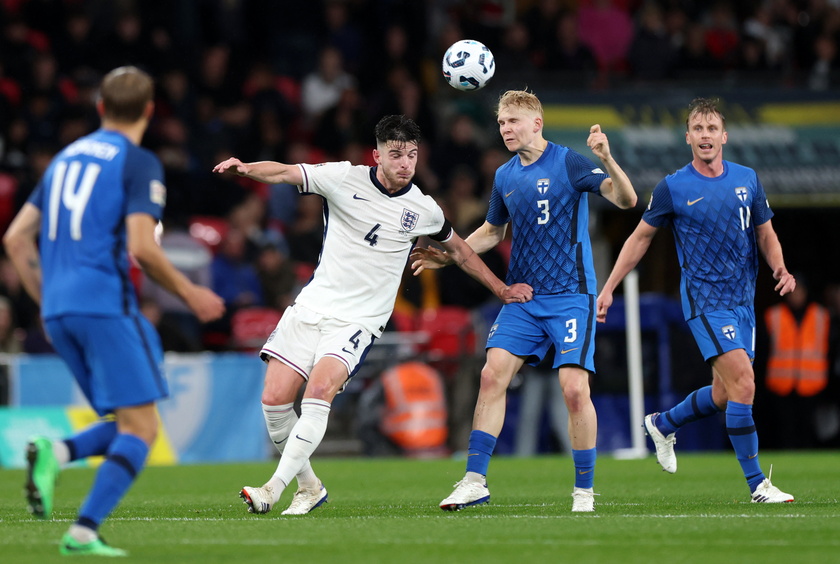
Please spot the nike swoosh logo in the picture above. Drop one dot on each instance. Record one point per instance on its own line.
(753, 456)
(692, 202)
(509, 193)
(473, 454)
(584, 471)
(345, 350)
(357, 197)
(301, 438)
(280, 442)
(564, 351)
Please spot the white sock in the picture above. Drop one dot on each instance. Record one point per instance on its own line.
(82, 534)
(475, 477)
(61, 452)
(279, 420)
(304, 438)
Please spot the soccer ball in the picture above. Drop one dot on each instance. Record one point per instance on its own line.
(468, 65)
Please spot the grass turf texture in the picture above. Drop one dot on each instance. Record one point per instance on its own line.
(385, 510)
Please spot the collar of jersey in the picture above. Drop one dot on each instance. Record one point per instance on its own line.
(696, 173)
(385, 190)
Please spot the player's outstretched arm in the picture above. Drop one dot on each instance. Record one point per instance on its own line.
(206, 305)
(631, 253)
(481, 240)
(617, 189)
(768, 243)
(468, 260)
(22, 250)
(270, 172)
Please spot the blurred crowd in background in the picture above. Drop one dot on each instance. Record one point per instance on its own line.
(306, 81)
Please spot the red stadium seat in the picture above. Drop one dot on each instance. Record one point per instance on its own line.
(251, 326)
(451, 332)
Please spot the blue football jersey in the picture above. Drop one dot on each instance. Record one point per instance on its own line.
(84, 197)
(713, 220)
(547, 206)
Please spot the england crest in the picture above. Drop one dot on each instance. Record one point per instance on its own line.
(409, 220)
(542, 185)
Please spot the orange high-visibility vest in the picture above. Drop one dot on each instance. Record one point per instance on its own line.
(799, 353)
(415, 407)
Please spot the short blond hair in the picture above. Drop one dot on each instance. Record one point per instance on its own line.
(521, 99)
(125, 92)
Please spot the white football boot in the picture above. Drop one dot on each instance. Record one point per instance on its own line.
(665, 454)
(258, 500)
(466, 494)
(305, 500)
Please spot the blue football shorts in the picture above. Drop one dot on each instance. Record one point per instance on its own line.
(116, 360)
(725, 330)
(566, 321)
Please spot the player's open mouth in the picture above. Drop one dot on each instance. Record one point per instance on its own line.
(705, 146)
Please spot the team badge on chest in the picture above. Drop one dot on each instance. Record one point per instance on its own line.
(542, 185)
(409, 220)
(741, 192)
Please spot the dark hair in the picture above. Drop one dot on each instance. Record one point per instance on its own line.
(125, 92)
(705, 107)
(400, 129)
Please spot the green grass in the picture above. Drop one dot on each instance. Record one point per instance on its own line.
(386, 511)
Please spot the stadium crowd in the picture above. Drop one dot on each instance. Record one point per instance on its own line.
(306, 82)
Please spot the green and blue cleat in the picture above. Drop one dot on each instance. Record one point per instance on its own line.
(42, 471)
(72, 547)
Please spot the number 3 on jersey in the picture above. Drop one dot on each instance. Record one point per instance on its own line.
(67, 189)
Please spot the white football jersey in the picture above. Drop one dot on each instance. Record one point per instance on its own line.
(368, 236)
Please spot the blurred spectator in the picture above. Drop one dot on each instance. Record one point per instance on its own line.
(797, 368)
(464, 206)
(322, 88)
(277, 275)
(694, 59)
(651, 55)
(172, 336)
(568, 53)
(306, 233)
(607, 31)
(11, 336)
(25, 310)
(824, 73)
(343, 34)
(459, 147)
(722, 39)
(233, 277)
(192, 258)
(344, 123)
(515, 55)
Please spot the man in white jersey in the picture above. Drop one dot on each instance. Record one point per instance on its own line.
(373, 217)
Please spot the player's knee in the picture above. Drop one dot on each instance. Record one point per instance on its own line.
(492, 380)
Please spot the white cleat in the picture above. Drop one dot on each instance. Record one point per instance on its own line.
(768, 493)
(258, 500)
(306, 500)
(466, 494)
(665, 454)
(583, 500)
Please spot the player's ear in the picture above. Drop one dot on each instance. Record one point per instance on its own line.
(376, 156)
(724, 138)
(687, 140)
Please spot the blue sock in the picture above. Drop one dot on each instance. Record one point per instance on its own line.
(584, 467)
(126, 457)
(696, 405)
(92, 441)
(741, 430)
(480, 449)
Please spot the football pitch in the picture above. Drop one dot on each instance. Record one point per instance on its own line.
(385, 510)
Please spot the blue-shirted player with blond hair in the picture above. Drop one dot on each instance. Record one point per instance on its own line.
(542, 192)
(720, 217)
(99, 200)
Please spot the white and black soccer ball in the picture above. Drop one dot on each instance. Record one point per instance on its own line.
(468, 65)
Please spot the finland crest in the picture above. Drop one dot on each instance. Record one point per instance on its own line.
(542, 185)
(741, 192)
(728, 332)
(409, 220)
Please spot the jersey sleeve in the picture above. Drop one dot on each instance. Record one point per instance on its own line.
(497, 212)
(584, 175)
(36, 198)
(324, 178)
(144, 187)
(660, 210)
(761, 211)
